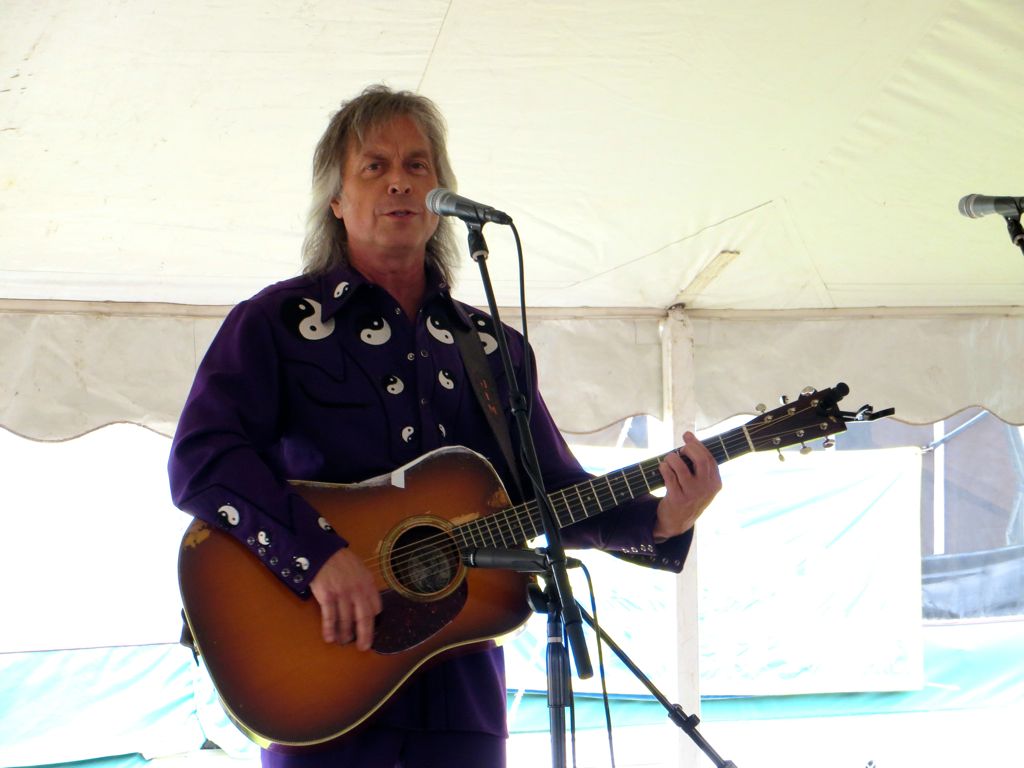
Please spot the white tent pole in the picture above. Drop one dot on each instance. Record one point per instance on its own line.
(939, 490)
(680, 412)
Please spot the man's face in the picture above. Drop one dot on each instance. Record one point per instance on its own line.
(384, 186)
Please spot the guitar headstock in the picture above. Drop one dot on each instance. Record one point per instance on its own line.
(814, 415)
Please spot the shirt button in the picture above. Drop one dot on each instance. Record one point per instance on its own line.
(423, 353)
(410, 357)
(398, 310)
(423, 401)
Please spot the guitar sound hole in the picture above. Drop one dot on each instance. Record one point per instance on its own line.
(424, 560)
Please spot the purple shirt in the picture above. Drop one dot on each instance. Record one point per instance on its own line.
(325, 378)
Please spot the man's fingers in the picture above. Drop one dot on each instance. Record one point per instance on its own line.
(348, 599)
(364, 627)
(699, 460)
(328, 622)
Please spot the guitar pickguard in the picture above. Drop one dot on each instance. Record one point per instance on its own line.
(404, 623)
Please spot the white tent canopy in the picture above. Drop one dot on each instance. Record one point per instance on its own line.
(788, 172)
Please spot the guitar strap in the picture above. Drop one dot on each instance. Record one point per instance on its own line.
(486, 391)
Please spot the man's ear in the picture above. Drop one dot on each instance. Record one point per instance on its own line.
(336, 207)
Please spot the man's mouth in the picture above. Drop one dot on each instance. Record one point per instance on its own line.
(401, 213)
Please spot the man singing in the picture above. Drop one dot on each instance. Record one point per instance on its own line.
(346, 373)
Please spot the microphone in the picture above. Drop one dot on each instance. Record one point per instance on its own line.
(444, 202)
(523, 560)
(975, 206)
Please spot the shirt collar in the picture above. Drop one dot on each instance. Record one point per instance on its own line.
(340, 284)
(337, 286)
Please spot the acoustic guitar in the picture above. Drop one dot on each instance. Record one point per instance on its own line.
(278, 680)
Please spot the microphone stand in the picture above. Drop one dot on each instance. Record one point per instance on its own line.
(565, 615)
(1016, 232)
(559, 693)
(563, 610)
(687, 723)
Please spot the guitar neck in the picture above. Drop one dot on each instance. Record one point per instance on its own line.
(513, 526)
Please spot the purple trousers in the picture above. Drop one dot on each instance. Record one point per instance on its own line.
(384, 747)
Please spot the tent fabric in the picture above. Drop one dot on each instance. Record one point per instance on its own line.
(70, 367)
(743, 157)
(975, 665)
(160, 152)
(65, 706)
(967, 666)
(160, 695)
(927, 365)
(75, 366)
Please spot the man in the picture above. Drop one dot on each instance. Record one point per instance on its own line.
(350, 371)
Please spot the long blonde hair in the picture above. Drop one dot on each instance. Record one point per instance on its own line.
(324, 246)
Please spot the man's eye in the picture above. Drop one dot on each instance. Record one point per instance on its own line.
(373, 166)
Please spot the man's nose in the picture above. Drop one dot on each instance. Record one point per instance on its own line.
(399, 184)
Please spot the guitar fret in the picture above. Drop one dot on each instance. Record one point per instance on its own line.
(615, 502)
(499, 530)
(636, 480)
(478, 540)
(653, 475)
(643, 479)
(578, 504)
(533, 519)
(567, 505)
(487, 530)
(553, 504)
(622, 482)
(522, 529)
(592, 496)
(460, 531)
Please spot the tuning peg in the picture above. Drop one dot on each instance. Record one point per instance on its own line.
(808, 391)
(784, 399)
(804, 449)
(829, 443)
(781, 457)
(760, 407)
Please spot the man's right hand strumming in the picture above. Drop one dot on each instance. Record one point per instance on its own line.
(349, 600)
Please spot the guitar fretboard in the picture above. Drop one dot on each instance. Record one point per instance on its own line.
(514, 526)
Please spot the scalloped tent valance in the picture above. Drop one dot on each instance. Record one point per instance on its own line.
(68, 368)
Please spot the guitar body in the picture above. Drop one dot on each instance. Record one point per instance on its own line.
(278, 680)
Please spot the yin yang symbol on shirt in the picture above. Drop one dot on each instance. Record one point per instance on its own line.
(374, 330)
(304, 317)
(393, 385)
(437, 329)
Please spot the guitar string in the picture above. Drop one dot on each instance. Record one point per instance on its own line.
(503, 522)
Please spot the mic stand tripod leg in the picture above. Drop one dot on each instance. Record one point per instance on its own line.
(687, 723)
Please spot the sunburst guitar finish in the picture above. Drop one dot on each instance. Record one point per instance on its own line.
(279, 681)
